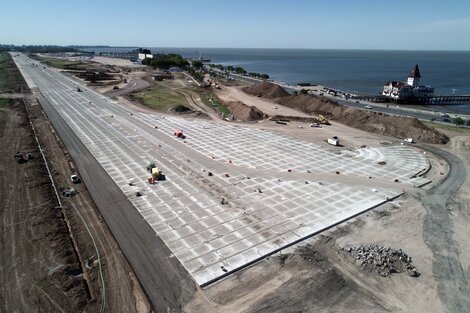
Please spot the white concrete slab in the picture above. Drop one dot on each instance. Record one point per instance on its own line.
(211, 239)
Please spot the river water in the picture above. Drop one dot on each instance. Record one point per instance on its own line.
(359, 71)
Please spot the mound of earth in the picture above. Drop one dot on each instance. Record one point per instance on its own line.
(244, 112)
(266, 90)
(375, 122)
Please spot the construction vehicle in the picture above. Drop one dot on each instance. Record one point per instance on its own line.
(155, 172)
(150, 166)
(323, 120)
(68, 191)
(20, 158)
(179, 133)
(333, 141)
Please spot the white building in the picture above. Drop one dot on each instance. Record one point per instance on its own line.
(142, 56)
(409, 90)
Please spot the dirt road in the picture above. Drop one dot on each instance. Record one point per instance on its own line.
(443, 203)
(40, 269)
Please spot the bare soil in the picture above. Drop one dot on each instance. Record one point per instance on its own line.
(379, 123)
(40, 270)
(266, 90)
(244, 112)
(317, 276)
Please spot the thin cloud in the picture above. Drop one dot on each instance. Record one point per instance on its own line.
(462, 24)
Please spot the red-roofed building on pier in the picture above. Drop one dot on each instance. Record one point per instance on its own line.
(410, 91)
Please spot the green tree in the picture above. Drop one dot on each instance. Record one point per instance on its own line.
(197, 64)
(230, 68)
(468, 122)
(264, 76)
(303, 91)
(459, 121)
(240, 70)
(165, 61)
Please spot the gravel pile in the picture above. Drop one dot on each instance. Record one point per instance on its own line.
(383, 260)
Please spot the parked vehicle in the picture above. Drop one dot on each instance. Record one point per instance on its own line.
(74, 178)
(333, 141)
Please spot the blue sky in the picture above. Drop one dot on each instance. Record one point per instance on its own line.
(326, 24)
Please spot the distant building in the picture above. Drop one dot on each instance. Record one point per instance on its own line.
(409, 91)
(142, 56)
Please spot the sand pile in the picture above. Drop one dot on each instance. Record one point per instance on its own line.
(244, 112)
(375, 122)
(379, 123)
(266, 90)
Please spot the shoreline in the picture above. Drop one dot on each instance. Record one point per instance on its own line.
(319, 90)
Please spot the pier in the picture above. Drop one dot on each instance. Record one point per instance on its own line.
(451, 99)
(429, 100)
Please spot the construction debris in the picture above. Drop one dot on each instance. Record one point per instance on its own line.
(383, 260)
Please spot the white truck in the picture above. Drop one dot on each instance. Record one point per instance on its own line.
(409, 140)
(334, 141)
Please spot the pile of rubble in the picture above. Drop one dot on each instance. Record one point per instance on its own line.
(383, 260)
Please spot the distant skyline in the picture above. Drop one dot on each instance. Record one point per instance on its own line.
(335, 24)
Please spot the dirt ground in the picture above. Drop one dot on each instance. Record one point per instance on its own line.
(230, 94)
(328, 280)
(123, 292)
(40, 269)
(267, 96)
(45, 248)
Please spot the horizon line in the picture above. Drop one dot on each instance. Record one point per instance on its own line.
(240, 48)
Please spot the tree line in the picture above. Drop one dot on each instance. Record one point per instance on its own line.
(239, 70)
(165, 61)
(38, 48)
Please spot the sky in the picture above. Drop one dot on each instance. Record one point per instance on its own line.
(324, 24)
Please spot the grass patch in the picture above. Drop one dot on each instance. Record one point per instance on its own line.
(10, 78)
(59, 63)
(447, 127)
(5, 102)
(3, 74)
(212, 102)
(160, 99)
